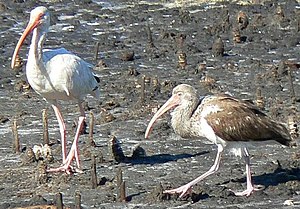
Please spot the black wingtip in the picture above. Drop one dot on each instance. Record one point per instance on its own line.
(97, 78)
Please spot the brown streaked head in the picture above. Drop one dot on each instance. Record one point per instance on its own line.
(181, 95)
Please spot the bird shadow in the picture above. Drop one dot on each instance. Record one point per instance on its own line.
(278, 176)
(161, 158)
(129, 197)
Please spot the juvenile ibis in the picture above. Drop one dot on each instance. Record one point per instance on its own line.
(57, 74)
(221, 120)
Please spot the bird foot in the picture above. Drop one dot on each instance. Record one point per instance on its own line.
(183, 190)
(66, 168)
(249, 190)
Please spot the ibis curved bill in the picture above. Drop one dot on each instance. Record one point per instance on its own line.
(221, 120)
(171, 103)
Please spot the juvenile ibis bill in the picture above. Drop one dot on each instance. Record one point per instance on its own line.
(57, 74)
(221, 120)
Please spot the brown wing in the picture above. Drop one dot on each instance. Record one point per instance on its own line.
(239, 120)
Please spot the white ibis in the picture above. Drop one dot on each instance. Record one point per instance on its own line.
(57, 74)
(223, 120)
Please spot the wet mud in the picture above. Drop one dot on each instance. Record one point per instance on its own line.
(141, 50)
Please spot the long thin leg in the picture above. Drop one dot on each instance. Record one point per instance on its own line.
(185, 189)
(78, 131)
(250, 186)
(66, 167)
(62, 129)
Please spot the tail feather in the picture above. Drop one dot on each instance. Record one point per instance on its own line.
(96, 90)
(283, 134)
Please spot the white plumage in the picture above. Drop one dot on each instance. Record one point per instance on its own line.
(57, 74)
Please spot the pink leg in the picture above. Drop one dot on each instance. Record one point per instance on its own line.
(74, 153)
(62, 128)
(185, 189)
(250, 186)
(78, 132)
(66, 167)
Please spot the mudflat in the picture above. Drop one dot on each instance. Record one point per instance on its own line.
(141, 50)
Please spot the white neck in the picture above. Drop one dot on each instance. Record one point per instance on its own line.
(35, 56)
(36, 71)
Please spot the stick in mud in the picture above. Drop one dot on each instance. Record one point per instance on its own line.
(149, 36)
(119, 177)
(96, 51)
(292, 92)
(45, 126)
(259, 99)
(143, 90)
(16, 141)
(93, 172)
(120, 186)
(59, 201)
(91, 131)
(182, 57)
(116, 149)
(122, 197)
(77, 200)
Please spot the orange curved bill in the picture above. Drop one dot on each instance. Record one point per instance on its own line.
(172, 102)
(31, 25)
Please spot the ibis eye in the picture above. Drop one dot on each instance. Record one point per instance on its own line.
(42, 15)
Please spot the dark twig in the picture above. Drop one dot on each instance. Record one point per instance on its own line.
(16, 141)
(143, 89)
(292, 91)
(93, 172)
(77, 200)
(59, 201)
(91, 129)
(96, 51)
(45, 127)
